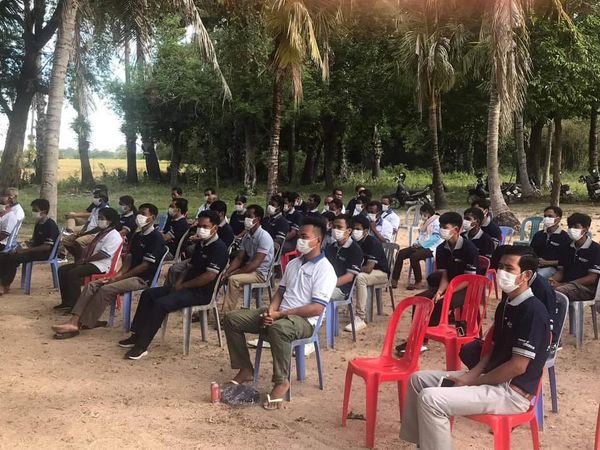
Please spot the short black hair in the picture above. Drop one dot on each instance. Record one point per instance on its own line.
(111, 215)
(375, 203)
(451, 218)
(363, 220)
(475, 212)
(258, 210)
(177, 189)
(328, 215)
(528, 261)
(277, 199)
(101, 194)
(337, 202)
(219, 206)
(367, 194)
(317, 222)
(128, 201)
(346, 218)
(358, 186)
(334, 190)
(556, 209)
(427, 208)
(211, 190)
(290, 197)
(241, 198)
(387, 197)
(181, 204)
(483, 203)
(316, 198)
(42, 204)
(150, 207)
(211, 215)
(579, 219)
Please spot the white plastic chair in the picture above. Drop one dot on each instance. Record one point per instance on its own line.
(576, 317)
(11, 241)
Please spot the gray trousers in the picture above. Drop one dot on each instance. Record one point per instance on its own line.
(177, 270)
(428, 408)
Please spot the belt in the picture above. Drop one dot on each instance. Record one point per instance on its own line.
(520, 391)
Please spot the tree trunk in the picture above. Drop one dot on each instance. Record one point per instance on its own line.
(503, 215)
(521, 157)
(62, 53)
(329, 142)
(40, 135)
(273, 162)
(291, 168)
(556, 161)
(438, 183)
(342, 166)
(470, 151)
(175, 158)
(535, 150)
(130, 127)
(548, 157)
(593, 155)
(249, 160)
(308, 173)
(83, 131)
(377, 152)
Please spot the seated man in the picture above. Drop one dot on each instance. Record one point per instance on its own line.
(579, 265)
(380, 228)
(374, 270)
(275, 224)
(312, 203)
(550, 242)
(503, 382)
(239, 214)
(303, 293)
(224, 231)
(388, 213)
(359, 189)
(8, 222)
(339, 194)
(195, 287)
(335, 206)
(45, 233)
(345, 255)
(294, 218)
(253, 260)
(76, 242)
(137, 272)
(13, 202)
(330, 218)
(488, 225)
(176, 192)
(473, 218)
(127, 225)
(178, 226)
(296, 201)
(210, 196)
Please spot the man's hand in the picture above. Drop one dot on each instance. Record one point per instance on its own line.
(69, 215)
(270, 316)
(194, 238)
(438, 296)
(178, 285)
(542, 262)
(468, 379)
(372, 225)
(553, 282)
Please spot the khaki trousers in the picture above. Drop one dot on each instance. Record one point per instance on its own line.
(77, 245)
(428, 408)
(235, 287)
(363, 281)
(75, 224)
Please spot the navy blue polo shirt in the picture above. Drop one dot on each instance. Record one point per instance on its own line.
(492, 230)
(176, 229)
(549, 246)
(521, 327)
(302, 208)
(347, 258)
(45, 233)
(127, 221)
(462, 259)
(483, 242)
(578, 262)
(295, 219)
(237, 222)
(277, 226)
(225, 233)
(209, 256)
(373, 251)
(148, 248)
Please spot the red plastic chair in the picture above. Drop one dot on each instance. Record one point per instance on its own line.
(111, 272)
(484, 267)
(286, 258)
(386, 367)
(597, 444)
(479, 289)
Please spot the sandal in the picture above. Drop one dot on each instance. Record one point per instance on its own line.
(272, 403)
(67, 335)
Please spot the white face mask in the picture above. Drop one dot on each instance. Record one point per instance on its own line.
(358, 208)
(507, 281)
(372, 217)
(203, 233)
(298, 203)
(248, 223)
(338, 235)
(303, 246)
(171, 212)
(467, 224)
(445, 233)
(549, 222)
(141, 220)
(385, 207)
(36, 215)
(123, 209)
(96, 201)
(271, 210)
(2, 208)
(239, 208)
(357, 235)
(103, 224)
(575, 233)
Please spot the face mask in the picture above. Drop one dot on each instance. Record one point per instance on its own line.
(2, 208)
(103, 224)
(171, 211)
(507, 281)
(445, 234)
(358, 209)
(329, 227)
(287, 208)
(271, 210)
(203, 233)
(549, 222)
(141, 220)
(357, 235)
(96, 201)
(123, 209)
(575, 233)
(37, 216)
(298, 203)
(338, 235)
(467, 225)
(239, 208)
(385, 207)
(303, 246)
(248, 223)
(372, 217)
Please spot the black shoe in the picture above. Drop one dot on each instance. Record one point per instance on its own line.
(129, 342)
(62, 306)
(136, 353)
(401, 349)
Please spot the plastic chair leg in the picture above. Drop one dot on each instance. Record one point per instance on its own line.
(23, 275)
(392, 298)
(452, 356)
(247, 296)
(317, 345)
(379, 297)
(55, 282)
(28, 272)
(351, 312)
(330, 316)
(502, 436)
(187, 330)
(539, 410)
(402, 386)
(112, 313)
(270, 293)
(579, 323)
(553, 392)
(594, 321)
(372, 397)
(127, 298)
(216, 309)
(259, 348)
(347, 390)
(370, 295)
(204, 325)
(163, 327)
(300, 363)
(535, 436)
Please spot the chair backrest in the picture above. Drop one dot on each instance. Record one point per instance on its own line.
(535, 222)
(177, 257)
(287, 257)
(162, 221)
(507, 234)
(484, 264)
(415, 211)
(276, 261)
(11, 241)
(487, 342)
(562, 306)
(479, 289)
(115, 259)
(416, 333)
(54, 251)
(390, 249)
(159, 268)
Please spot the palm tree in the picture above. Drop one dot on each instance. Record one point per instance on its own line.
(521, 156)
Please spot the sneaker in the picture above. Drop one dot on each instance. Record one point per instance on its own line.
(359, 324)
(129, 342)
(254, 343)
(401, 349)
(136, 353)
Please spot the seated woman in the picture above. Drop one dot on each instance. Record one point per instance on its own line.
(127, 225)
(423, 248)
(96, 259)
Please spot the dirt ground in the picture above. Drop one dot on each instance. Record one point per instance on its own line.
(81, 393)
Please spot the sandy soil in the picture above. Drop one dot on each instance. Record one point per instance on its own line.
(80, 393)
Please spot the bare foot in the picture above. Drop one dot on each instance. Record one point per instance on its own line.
(65, 328)
(244, 376)
(279, 390)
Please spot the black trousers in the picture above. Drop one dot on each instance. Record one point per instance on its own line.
(155, 304)
(9, 263)
(71, 277)
(458, 299)
(470, 354)
(416, 255)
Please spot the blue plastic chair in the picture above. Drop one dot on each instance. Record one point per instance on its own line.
(27, 268)
(536, 224)
(507, 235)
(297, 345)
(11, 241)
(128, 297)
(332, 316)
(162, 221)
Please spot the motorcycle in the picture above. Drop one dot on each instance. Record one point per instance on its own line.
(592, 183)
(511, 192)
(566, 195)
(403, 197)
(480, 190)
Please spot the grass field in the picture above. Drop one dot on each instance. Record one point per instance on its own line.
(72, 167)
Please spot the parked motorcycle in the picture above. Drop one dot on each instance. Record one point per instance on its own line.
(511, 192)
(566, 194)
(403, 197)
(592, 183)
(480, 190)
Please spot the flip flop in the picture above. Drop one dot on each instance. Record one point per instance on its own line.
(67, 335)
(272, 403)
(99, 324)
